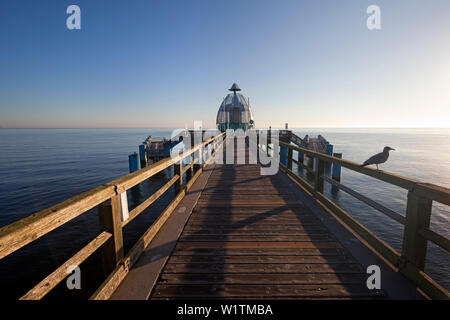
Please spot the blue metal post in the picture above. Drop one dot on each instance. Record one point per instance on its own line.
(143, 155)
(336, 175)
(330, 153)
(329, 149)
(133, 162)
(283, 151)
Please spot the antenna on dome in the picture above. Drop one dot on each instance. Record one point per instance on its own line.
(234, 88)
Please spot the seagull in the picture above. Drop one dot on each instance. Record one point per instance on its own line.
(379, 158)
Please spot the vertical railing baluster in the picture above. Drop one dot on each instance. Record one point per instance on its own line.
(189, 171)
(418, 214)
(177, 170)
(336, 171)
(289, 162)
(318, 180)
(283, 155)
(110, 220)
(300, 158)
(197, 157)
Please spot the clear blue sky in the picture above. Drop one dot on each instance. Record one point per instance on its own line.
(167, 63)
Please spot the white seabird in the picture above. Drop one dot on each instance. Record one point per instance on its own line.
(379, 158)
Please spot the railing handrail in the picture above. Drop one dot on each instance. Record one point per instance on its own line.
(417, 232)
(19, 233)
(24, 231)
(377, 206)
(420, 196)
(130, 180)
(429, 190)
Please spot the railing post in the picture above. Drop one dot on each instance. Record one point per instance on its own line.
(330, 153)
(177, 170)
(418, 214)
(329, 149)
(133, 162)
(301, 158)
(192, 169)
(110, 220)
(209, 147)
(310, 162)
(284, 152)
(320, 170)
(195, 156)
(196, 166)
(143, 155)
(336, 171)
(189, 171)
(289, 161)
(257, 139)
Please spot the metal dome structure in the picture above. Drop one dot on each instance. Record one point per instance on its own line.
(235, 112)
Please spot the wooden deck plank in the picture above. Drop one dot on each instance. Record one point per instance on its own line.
(191, 252)
(273, 230)
(250, 237)
(251, 233)
(267, 278)
(255, 268)
(262, 291)
(240, 223)
(259, 237)
(260, 259)
(258, 244)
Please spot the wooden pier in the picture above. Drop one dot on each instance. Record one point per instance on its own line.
(231, 232)
(250, 237)
(314, 144)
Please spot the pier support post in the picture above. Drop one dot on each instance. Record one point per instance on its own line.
(310, 162)
(110, 220)
(418, 213)
(197, 157)
(196, 137)
(192, 157)
(284, 151)
(133, 162)
(189, 171)
(319, 171)
(210, 150)
(301, 158)
(177, 170)
(330, 153)
(336, 174)
(289, 160)
(143, 155)
(329, 149)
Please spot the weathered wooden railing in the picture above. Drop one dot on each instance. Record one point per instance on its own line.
(411, 261)
(113, 216)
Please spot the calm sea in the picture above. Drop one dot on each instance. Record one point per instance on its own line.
(42, 167)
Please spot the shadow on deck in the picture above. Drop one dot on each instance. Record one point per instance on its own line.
(246, 236)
